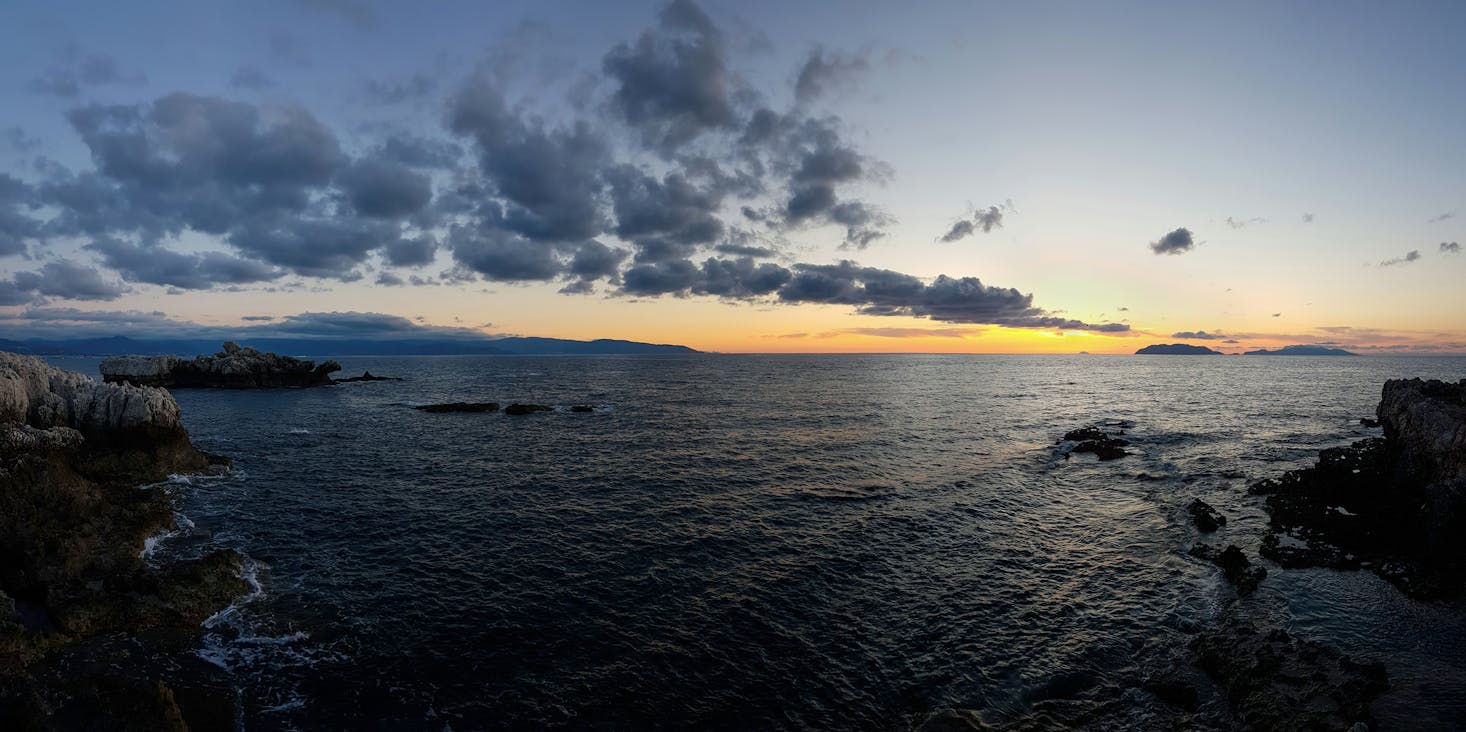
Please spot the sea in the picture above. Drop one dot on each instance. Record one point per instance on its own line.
(769, 541)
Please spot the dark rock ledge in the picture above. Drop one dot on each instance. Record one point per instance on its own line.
(232, 368)
(72, 585)
(1102, 444)
(1395, 505)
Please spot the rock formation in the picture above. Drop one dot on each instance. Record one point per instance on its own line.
(522, 409)
(1395, 505)
(232, 368)
(1204, 516)
(72, 524)
(1095, 440)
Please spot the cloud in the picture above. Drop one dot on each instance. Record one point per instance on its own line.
(1198, 335)
(1307, 218)
(1450, 247)
(1179, 241)
(824, 72)
(503, 256)
(414, 252)
(381, 188)
(1243, 223)
(1409, 256)
(1441, 217)
(412, 89)
(672, 83)
(60, 278)
(904, 332)
(90, 71)
(985, 220)
(160, 266)
(17, 226)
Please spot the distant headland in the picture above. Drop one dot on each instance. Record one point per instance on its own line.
(1176, 349)
(1302, 351)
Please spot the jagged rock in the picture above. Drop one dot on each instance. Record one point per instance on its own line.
(72, 523)
(520, 409)
(1204, 516)
(1235, 566)
(1277, 682)
(459, 407)
(1095, 440)
(232, 368)
(1396, 504)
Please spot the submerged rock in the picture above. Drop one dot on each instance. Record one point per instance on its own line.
(521, 409)
(1235, 566)
(1277, 682)
(583, 408)
(232, 368)
(1204, 516)
(72, 525)
(1396, 504)
(459, 407)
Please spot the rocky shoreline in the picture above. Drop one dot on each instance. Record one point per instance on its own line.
(87, 628)
(234, 367)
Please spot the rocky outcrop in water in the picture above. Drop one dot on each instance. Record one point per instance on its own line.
(1094, 440)
(522, 409)
(1395, 505)
(1276, 682)
(1236, 567)
(452, 407)
(1204, 516)
(72, 525)
(234, 367)
(366, 376)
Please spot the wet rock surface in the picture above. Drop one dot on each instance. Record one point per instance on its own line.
(451, 407)
(1101, 444)
(1236, 567)
(1395, 505)
(366, 376)
(1275, 681)
(1204, 516)
(234, 367)
(522, 409)
(72, 525)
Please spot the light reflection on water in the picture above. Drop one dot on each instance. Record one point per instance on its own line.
(756, 541)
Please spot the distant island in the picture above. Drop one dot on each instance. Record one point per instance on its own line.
(1176, 349)
(523, 346)
(1302, 351)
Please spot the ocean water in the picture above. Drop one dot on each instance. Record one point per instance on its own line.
(759, 542)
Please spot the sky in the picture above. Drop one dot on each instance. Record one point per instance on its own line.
(1045, 177)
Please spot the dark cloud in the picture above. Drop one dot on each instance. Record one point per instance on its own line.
(824, 72)
(1307, 218)
(985, 220)
(1244, 223)
(1179, 241)
(1441, 217)
(329, 248)
(503, 256)
(63, 279)
(414, 252)
(387, 279)
(257, 318)
(1447, 247)
(550, 179)
(158, 265)
(17, 227)
(1198, 335)
(672, 83)
(381, 188)
(739, 278)
(1408, 257)
(593, 260)
(417, 152)
(657, 278)
(251, 78)
(667, 218)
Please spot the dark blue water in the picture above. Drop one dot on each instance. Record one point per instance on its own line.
(767, 541)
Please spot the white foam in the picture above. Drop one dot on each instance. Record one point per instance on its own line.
(299, 431)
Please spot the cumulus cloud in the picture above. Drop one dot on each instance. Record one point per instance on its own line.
(1198, 335)
(1307, 217)
(158, 265)
(1408, 257)
(1450, 247)
(1178, 241)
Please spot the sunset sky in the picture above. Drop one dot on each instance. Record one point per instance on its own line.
(740, 176)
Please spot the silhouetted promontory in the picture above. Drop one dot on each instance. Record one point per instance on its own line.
(1302, 351)
(1176, 349)
(234, 367)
